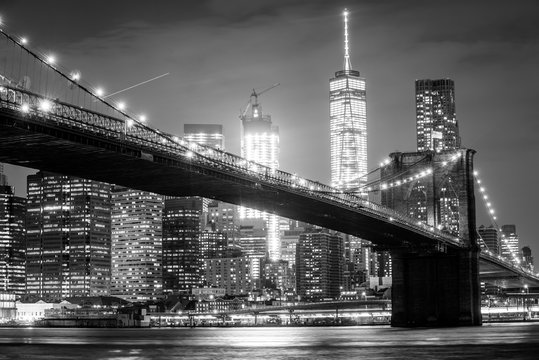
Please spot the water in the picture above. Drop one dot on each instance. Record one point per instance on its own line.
(491, 341)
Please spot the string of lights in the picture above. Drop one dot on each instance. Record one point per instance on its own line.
(491, 212)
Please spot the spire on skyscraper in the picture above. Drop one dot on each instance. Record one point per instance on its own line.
(347, 64)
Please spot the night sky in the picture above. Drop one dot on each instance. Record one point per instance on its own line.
(217, 51)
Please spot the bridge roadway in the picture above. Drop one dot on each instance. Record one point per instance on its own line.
(66, 139)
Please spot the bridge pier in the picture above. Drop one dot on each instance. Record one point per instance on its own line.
(436, 289)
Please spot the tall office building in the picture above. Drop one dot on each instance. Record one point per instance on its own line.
(224, 218)
(252, 238)
(68, 237)
(205, 134)
(239, 275)
(12, 241)
(260, 143)
(182, 228)
(490, 238)
(348, 124)
(348, 141)
(319, 265)
(436, 122)
(510, 248)
(136, 244)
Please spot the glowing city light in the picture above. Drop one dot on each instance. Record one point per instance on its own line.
(142, 118)
(121, 105)
(99, 92)
(25, 108)
(74, 75)
(50, 59)
(45, 105)
(24, 41)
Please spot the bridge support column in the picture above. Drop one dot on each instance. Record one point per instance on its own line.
(436, 289)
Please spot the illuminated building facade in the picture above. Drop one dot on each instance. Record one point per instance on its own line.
(436, 121)
(260, 143)
(213, 244)
(68, 239)
(348, 124)
(510, 248)
(12, 241)
(182, 228)
(490, 238)
(223, 217)
(236, 275)
(252, 238)
(136, 244)
(205, 134)
(319, 265)
(348, 141)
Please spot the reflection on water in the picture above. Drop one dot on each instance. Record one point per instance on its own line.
(492, 341)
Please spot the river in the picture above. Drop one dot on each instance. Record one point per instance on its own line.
(491, 341)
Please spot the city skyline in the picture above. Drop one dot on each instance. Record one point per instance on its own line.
(392, 44)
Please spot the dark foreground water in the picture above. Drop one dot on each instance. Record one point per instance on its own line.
(491, 341)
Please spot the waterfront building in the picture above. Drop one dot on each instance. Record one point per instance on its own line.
(260, 143)
(183, 221)
(348, 124)
(436, 122)
(510, 248)
(68, 239)
(8, 308)
(136, 244)
(239, 275)
(319, 265)
(489, 238)
(12, 241)
(208, 293)
(205, 134)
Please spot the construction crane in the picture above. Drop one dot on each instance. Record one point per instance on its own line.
(253, 100)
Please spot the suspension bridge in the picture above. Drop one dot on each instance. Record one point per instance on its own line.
(51, 120)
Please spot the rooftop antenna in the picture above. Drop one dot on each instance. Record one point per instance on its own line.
(347, 65)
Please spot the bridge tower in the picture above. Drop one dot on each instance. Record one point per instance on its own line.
(435, 285)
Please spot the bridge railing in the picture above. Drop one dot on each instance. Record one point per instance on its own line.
(39, 108)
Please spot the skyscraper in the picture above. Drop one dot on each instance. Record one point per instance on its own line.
(68, 237)
(319, 265)
(510, 248)
(348, 139)
(348, 124)
(436, 122)
(182, 228)
(12, 241)
(260, 143)
(136, 244)
(490, 237)
(205, 134)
